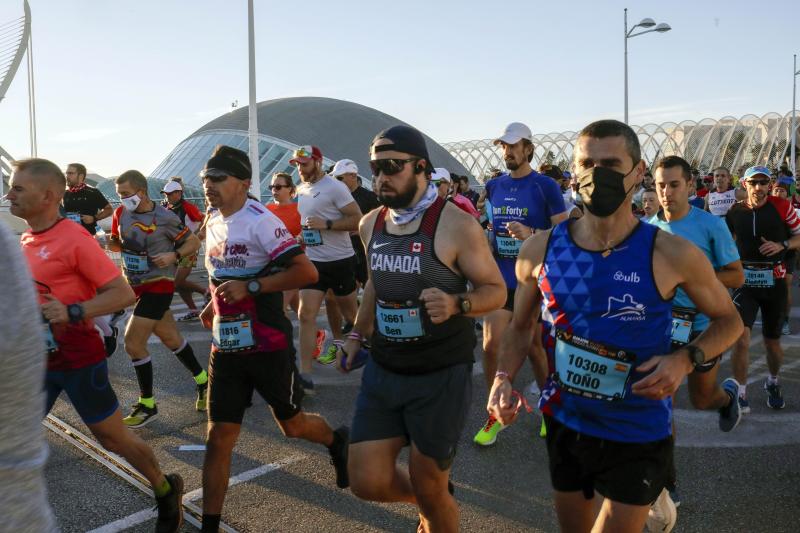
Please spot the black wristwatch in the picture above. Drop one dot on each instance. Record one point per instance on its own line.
(254, 287)
(696, 355)
(329, 224)
(785, 245)
(464, 305)
(76, 313)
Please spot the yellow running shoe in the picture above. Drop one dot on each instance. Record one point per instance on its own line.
(543, 430)
(488, 433)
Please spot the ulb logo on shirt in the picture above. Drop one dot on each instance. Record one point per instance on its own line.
(633, 277)
(626, 309)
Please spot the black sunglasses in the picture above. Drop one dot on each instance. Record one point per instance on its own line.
(758, 182)
(389, 167)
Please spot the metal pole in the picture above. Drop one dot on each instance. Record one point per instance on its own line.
(794, 118)
(31, 96)
(255, 183)
(626, 65)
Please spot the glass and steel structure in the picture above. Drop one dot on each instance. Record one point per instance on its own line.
(729, 142)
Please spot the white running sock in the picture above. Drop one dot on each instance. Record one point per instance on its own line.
(742, 391)
(772, 380)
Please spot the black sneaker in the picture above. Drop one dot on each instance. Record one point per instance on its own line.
(774, 395)
(170, 506)
(338, 451)
(307, 384)
(110, 342)
(140, 415)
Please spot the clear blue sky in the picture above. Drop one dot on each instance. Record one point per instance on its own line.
(120, 83)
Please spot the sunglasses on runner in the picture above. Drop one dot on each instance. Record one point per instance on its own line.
(389, 167)
(214, 174)
(758, 182)
(279, 187)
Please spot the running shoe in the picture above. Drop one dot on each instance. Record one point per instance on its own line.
(170, 506)
(774, 395)
(744, 405)
(188, 317)
(338, 451)
(543, 430)
(201, 403)
(662, 515)
(110, 341)
(307, 384)
(731, 414)
(674, 495)
(141, 415)
(785, 330)
(322, 336)
(116, 317)
(488, 433)
(330, 354)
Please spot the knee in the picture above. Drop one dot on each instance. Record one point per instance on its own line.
(366, 484)
(490, 346)
(112, 443)
(294, 428)
(220, 440)
(307, 315)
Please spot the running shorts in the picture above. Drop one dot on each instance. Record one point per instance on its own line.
(338, 276)
(429, 410)
(152, 305)
(627, 472)
(190, 261)
(770, 300)
(87, 388)
(232, 378)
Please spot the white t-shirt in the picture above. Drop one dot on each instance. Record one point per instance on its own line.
(720, 202)
(325, 199)
(241, 245)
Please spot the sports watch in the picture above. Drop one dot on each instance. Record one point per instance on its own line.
(76, 313)
(329, 224)
(464, 305)
(696, 355)
(253, 287)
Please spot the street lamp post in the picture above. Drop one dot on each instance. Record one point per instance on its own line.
(645, 23)
(794, 117)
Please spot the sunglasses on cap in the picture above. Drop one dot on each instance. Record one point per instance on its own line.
(390, 167)
(302, 152)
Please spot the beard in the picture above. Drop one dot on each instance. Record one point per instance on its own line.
(401, 198)
(512, 165)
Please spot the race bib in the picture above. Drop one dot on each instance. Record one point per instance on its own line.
(399, 323)
(312, 237)
(682, 321)
(759, 275)
(49, 340)
(507, 246)
(232, 334)
(135, 263)
(590, 369)
(75, 217)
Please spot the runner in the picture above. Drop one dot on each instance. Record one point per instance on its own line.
(76, 282)
(709, 233)
(284, 207)
(650, 204)
(152, 240)
(191, 217)
(607, 401)
(416, 387)
(522, 201)
(328, 213)
(465, 191)
(447, 190)
(719, 200)
(251, 257)
(765, 228)
(783, 189)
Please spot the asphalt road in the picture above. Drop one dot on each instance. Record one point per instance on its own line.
(744, 481)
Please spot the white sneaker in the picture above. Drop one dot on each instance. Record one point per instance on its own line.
(663, 514)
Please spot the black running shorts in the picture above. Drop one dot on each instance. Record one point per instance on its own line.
(429, 410)
(625, 472)
(771, 301)
(338, 276)
(232, 378)
(152, 305)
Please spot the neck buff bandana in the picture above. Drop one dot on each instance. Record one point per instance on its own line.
(404, 215)
(78, 187)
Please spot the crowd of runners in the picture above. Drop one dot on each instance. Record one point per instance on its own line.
(614, 283)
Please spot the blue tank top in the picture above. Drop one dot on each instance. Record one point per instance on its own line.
(603, 316)
(530, 200)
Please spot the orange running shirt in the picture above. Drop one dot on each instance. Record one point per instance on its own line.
(288, 214)
(66, 262)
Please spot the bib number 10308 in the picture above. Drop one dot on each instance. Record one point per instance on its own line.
(590, 369)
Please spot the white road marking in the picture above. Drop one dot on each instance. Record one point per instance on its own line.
(148, 514)
(784, 368)
(192, 448)
(192, 336)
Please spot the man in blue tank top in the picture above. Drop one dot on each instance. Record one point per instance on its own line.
(604, 284)
(522, 201)
(422, 252)
(711, 235)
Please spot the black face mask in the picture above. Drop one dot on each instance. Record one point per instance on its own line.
(602, 190)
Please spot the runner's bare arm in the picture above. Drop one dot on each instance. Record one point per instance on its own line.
(104, 213)
(517, 340)
(561, 217)
(190, 245)
(111, 297)
(114, 244)
(731, 275)
(351, 214)
(299, 272)
(677, 262)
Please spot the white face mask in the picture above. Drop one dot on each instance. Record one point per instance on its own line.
(131, 202)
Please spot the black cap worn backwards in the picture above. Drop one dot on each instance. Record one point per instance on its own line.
(230, 162)
(404, 139)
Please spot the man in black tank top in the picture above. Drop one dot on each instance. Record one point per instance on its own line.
(416, 389)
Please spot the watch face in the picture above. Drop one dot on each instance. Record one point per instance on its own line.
(253, 287)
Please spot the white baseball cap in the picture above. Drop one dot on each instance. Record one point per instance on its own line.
(515, 132)
(344, 166)
(172, 186)
(441, 174)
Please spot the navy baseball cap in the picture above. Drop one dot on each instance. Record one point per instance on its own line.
(403, 139)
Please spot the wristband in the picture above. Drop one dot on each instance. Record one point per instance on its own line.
(355, 336)
(500, 374)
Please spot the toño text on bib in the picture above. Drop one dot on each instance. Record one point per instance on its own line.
(591, 369)
(399, 322)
